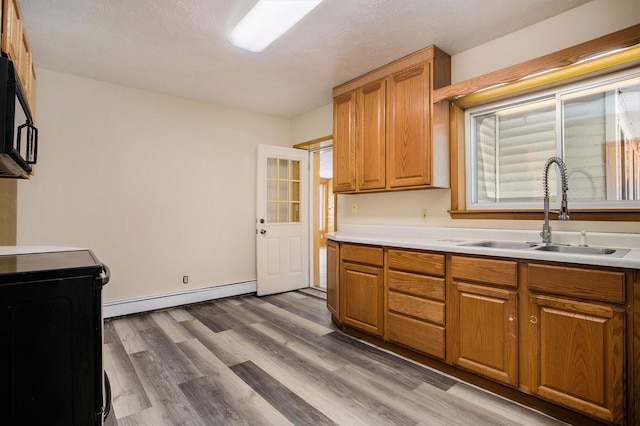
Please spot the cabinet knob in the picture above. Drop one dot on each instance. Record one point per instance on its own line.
(533, 319)
(511, 318)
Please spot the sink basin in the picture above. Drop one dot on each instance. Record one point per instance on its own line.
(508, 245)
(597, 251)
(516, 245)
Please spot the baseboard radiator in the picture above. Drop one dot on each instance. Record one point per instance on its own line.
(162, 301)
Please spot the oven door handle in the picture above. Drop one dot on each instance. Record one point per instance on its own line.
(107, 397)
(105, 275)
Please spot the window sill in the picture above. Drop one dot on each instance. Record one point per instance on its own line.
(626, 215)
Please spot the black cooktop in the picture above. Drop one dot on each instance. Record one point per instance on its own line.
(38, 266)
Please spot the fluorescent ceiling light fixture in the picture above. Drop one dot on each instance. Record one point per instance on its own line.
(267, 21)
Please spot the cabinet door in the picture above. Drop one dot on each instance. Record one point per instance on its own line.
(579, 355)
(31, 93)
(409, 128)
(344, 143)
(332, 278)
(11, 31)
(484, 331)
(361, 296)
(14, 44)
(371, 137)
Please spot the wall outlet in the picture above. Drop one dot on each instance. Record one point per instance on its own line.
(425, 215)
(185, 279)
(354, 208)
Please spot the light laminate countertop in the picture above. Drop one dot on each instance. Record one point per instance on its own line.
(450, 240)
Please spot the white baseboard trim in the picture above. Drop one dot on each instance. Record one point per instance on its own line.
(161, 301)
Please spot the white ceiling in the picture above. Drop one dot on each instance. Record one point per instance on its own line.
(179, 47)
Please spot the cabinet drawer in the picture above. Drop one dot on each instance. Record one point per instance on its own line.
(593, 284)
(488, 271)
(417, 285)
(415, 334)
(413, 261)
(362, 254)
(427, 310)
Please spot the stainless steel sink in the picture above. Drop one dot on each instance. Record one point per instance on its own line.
(552, 248)
(508, 245)
(594, 251)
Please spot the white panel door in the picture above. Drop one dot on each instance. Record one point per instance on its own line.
(282, 219)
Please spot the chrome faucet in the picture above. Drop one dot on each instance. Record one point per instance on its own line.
(563, 214)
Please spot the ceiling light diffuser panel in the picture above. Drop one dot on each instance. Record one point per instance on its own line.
(267, 21)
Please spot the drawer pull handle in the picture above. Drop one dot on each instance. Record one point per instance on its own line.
(533, 319)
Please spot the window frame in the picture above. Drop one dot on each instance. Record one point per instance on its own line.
(557, 97)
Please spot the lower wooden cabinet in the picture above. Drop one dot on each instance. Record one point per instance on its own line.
(361, 288)
(415, 310)
(483, 317)
(333, 268)
(483, 331)
(578, 346)
(566, 334)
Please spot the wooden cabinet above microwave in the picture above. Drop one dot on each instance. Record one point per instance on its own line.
(16, 48)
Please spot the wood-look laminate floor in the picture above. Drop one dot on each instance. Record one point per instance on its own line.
(278, 360)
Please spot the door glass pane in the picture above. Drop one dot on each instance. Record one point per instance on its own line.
(283, 172)
(272, 216)
(283, 212)
(271, 190)
(283, 190)
(272, 168)
(295, 212)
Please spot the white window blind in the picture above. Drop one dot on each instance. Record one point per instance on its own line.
(513, 145)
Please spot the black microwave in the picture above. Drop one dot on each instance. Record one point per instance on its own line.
(18, 135)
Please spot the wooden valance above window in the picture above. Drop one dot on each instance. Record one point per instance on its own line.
(561, 67)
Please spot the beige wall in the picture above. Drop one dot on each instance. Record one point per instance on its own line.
(8, 210)
(591, 20)
(584, 23)
(314, 124)
(159, 187)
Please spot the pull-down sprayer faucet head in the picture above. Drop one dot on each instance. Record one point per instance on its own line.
(563, 214)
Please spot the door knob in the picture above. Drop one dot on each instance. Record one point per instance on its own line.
(263, 231)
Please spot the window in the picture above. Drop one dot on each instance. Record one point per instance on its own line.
(283, 190)
(594, 126)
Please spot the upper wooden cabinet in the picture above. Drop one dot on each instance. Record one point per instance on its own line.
(370, 146)
(383, 125)
(409, 136)
(15, 47)
(344, 153)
